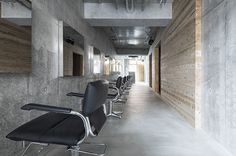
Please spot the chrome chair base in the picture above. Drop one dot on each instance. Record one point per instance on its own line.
(26, 148)
(76, 150)
(112, 114)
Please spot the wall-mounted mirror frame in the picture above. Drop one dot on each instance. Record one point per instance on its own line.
(73, 52)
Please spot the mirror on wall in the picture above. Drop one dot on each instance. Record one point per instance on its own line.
(96, 61)
(15, 46)
(73, 52)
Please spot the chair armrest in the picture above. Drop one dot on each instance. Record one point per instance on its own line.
(75, 94)
(62, 110)
(46, 108)
(111, 87)
(115, 88)
(113, 82)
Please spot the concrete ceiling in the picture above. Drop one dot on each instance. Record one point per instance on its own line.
(123, 1)
(131, 37)
(130, 24)
(131, 40)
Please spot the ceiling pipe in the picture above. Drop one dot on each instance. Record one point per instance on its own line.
(161, 1)
(144, 2)
(26, 3)
(116, 4)
(128, 8)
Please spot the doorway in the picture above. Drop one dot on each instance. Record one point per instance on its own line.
(77, 64)
(150, 70)
(158, 69)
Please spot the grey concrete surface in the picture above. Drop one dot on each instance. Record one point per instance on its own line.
(149, 127)
(16, 13)
(219, 85)
(43, 84)
(106, 14)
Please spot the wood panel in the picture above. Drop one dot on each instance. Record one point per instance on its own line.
(150, 71)
(15, 48)
(140, 72)
(178, 59)
(155, 70)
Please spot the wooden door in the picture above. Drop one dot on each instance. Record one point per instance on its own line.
(77, 64)
(157, 60)
(150, 70)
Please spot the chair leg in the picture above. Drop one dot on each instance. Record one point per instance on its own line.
(118, 112)
(111, 113)
(26, 148)
(114, 115)
(76, 150)
(30, 144)
(121, 100)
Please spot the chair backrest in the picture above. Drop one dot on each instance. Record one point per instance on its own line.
(119, 82)
(94, 99)
(128, 77)
(95, 96)
(124, 80)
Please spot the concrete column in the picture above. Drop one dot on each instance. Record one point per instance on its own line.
(43, 85)
(88, 58)
(60, 49)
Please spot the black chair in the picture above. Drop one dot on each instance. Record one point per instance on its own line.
(113, 98)
(64, 126)
(129, 81)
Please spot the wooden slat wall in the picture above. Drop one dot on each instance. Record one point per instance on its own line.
(15, 48)
(155, 70)
(178, 59)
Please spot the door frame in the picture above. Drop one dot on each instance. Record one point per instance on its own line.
(150, 70)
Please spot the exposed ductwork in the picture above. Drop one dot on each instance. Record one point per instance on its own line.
(26, 3)
(129, 6)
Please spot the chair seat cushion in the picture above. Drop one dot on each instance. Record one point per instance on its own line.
(52, 128)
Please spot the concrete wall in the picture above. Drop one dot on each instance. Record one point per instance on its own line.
(219, 85)
(43, 84)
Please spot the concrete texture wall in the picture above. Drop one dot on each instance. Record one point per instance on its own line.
(219, 85)
(43, 84)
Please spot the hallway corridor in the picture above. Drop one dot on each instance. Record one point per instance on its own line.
(149, 127)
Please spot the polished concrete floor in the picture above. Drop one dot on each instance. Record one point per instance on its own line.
(149, 127)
